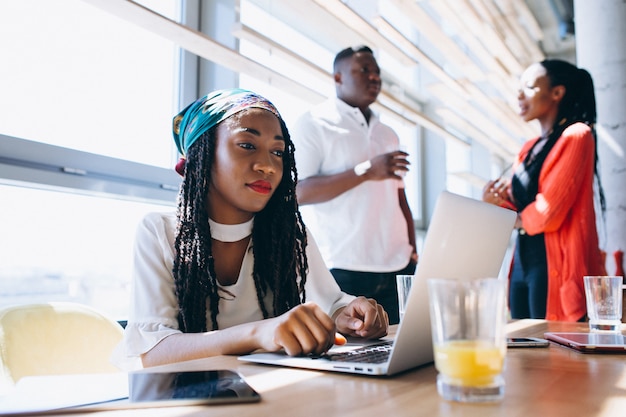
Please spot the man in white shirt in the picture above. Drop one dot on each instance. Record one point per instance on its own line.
(350, 169)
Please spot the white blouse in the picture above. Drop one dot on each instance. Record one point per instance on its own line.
(154, 307)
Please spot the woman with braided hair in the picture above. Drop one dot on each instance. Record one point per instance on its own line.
(234, 270)
(552, 189)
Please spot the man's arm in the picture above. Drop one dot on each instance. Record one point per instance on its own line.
(322, 188)
(408, 217)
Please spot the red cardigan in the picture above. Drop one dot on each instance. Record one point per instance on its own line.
(564, 211)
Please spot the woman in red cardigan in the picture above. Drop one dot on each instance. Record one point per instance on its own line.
(552, 189)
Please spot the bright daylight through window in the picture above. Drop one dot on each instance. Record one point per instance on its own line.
(81, 79)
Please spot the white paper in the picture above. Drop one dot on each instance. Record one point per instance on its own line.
(46, 393)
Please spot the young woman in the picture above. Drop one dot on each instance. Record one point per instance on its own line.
(234, 270)
(552, 189)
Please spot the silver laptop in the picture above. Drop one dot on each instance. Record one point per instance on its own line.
(466, 238)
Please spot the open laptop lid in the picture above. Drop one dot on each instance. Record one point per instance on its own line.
(466, 238)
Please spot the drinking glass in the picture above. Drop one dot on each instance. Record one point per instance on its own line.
(468, 318)
(604, 303)
(404, 283)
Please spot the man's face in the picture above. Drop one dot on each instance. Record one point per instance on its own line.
(358, 80)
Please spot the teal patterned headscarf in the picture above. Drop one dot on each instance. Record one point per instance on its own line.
(212, 109)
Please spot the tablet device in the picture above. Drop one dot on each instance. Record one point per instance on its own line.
(148, 389)
(590, 342)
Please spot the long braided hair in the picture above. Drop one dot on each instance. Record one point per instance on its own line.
(577, 105)
(278, 242)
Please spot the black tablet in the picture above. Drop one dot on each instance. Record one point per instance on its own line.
(188, 388)
(590, 342)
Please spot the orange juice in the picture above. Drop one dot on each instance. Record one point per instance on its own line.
(470, 362)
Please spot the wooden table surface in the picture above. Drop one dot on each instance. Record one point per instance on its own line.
(553, 381)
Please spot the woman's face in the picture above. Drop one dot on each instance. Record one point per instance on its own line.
(536, 98)
(248, 165)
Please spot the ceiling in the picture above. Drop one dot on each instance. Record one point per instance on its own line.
(556, 20)
(469, 55)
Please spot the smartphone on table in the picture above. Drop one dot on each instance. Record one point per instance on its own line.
(515, 342)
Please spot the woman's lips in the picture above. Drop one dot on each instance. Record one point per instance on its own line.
(523, 110)
(261, 187)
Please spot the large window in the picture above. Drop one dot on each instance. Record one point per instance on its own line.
(75, 76)
(95, 95)
(57, 246)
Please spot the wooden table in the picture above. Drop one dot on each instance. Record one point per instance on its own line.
(554, 381)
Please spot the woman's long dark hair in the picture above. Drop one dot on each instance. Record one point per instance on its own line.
(577, 105)
(278, 242)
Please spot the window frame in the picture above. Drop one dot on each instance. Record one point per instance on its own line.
(34, 164)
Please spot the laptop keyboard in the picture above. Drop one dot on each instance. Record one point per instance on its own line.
(378, 353)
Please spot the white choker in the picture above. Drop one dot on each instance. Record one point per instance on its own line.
(230, 232)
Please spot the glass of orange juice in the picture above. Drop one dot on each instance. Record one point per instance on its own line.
(468, 318)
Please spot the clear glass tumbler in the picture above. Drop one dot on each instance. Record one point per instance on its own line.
(604, 303)
(468, 319)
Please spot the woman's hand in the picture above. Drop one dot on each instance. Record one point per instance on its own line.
(363, 318)
(496, 192)
(305, 329)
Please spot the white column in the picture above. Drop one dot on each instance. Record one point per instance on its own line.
(601, 50)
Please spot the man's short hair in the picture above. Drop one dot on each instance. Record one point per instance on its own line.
(348, 52)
